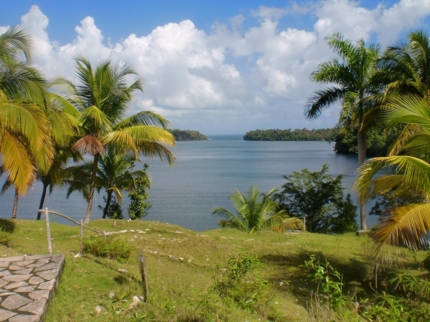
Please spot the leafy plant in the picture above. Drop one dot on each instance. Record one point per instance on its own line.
(328, 282)
(236, 283)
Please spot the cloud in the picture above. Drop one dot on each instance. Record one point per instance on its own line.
(250, 72)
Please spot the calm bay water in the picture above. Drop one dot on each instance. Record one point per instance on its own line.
(205, 174)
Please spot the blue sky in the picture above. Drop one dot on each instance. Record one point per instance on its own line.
(212, 66)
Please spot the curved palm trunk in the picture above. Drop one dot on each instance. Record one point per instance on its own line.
(361, 160)
(92, 188)
(15, 204)
(42, 200)
(108, 200)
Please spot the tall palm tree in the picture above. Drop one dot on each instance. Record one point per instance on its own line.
(410, 172)
(63, 125)
(24, 143)
(405, 69)
(351, 83)
(101, 96)
(255, 212)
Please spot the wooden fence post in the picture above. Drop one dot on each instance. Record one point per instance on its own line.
(48, 231)
(144, 273)
(82, 237)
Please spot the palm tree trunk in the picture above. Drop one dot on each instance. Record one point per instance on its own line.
(15, 204)
(92, 188)
(42, 201)
(361, 160)
(108, 199)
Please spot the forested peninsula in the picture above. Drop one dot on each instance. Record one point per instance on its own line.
(378, 139)
(187, 135)
(291, 135)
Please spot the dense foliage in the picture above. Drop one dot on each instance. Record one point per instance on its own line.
(379, 140)
(291, 135)
(139, 205)
(320, 198)
(187, 135)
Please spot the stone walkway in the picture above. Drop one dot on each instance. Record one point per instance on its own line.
(27, 284)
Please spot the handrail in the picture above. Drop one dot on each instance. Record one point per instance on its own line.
(72, 220)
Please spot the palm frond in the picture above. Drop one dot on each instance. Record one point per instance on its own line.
(408, 226)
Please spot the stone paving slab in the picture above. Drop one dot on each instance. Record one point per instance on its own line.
(27, 284)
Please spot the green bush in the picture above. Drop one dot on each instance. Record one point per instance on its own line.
(4, 238)
(110, 247)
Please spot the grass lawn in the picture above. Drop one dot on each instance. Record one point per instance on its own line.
(184, 266)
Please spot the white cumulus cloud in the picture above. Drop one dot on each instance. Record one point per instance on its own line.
(251, 72)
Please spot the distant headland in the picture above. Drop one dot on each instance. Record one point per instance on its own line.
(291, 135)
(187, 135)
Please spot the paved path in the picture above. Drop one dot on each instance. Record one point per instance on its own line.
(27, 284)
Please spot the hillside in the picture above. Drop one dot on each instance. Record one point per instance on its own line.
(186, 267)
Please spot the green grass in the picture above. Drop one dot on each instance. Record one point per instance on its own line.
(182, 269)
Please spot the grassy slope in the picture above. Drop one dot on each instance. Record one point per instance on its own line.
(182, 265)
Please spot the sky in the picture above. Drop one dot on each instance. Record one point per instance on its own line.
(218, 67)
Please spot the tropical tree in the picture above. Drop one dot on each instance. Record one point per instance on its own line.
(351, 83)
(405, 69)
(101, 96)
(115, 174)
(255, 212)
(407, 173)
(318, 196)
(24, 142)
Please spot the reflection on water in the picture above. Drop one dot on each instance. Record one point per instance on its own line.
(205, 174)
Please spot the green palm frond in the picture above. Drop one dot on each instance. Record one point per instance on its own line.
(143, 118)
(16, 161)
(14, 41)
(408, 226)
(415, 175)
(254, 211)
(97, 122)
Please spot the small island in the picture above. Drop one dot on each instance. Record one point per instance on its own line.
(291, 135)
(187, 135)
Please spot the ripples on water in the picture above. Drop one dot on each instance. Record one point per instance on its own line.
(205, 174)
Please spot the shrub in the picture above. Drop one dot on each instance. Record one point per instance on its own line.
(4, 238)
(110, 247)
(236, 283)
(319, 197)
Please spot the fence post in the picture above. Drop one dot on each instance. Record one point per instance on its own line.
(82, 237)
(144, 273)
(48, 231)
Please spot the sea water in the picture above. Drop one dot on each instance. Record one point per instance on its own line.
(205, 175)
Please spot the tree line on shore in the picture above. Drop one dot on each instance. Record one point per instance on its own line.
(291, 135)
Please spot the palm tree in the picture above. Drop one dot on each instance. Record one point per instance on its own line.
(115, 174)
(410, 172)
(255, 212)
(24, 143)
(102, 96)
(351, 83)
(405, 69)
